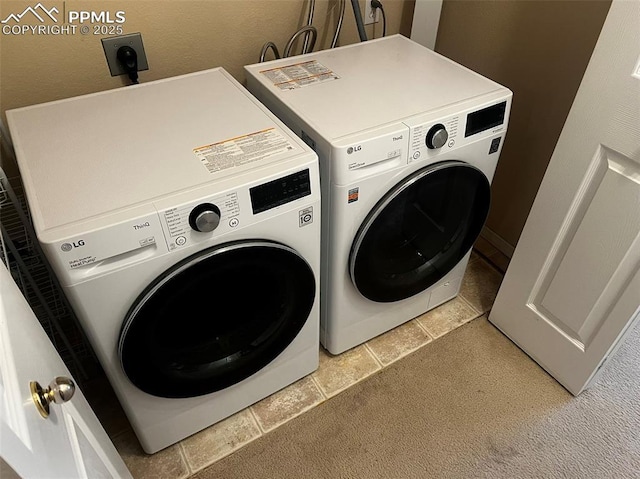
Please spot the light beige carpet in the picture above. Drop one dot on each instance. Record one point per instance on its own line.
(468, 405)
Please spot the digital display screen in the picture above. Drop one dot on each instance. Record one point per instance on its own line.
(485, 119)
(281, 191)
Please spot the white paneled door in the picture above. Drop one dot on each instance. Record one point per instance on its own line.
(70, 442)
(572, 290)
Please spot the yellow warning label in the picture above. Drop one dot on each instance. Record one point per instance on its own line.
(298, 75)
(242, 150)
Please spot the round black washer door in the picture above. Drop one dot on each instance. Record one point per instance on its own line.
(216, 318)
(419, 231)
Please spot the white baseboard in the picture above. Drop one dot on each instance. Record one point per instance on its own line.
(497, 241)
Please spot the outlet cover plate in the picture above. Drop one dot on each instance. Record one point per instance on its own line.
(371, 15)
(111, 45)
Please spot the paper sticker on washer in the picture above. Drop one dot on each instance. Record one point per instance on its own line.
(299, 75)
(242, 150)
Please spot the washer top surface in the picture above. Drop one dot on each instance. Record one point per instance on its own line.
(91, 155)
(378, 82)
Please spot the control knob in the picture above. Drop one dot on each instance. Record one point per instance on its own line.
(205, 217)
(437, 136)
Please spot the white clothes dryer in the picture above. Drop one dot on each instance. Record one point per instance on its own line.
(182, 219)
(408, 143)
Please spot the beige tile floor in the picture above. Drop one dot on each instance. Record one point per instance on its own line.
(335, 374)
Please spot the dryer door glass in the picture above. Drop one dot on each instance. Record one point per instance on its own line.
(216, 318)
(419, 231)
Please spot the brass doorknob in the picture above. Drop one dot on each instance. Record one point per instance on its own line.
(60, 390)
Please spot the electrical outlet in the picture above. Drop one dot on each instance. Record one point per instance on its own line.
(111, 45)
(371, 15)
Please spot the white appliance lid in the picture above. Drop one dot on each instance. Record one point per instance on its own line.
(86, 156)
(379, 81)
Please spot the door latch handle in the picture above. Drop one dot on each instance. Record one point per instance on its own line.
(60, 390)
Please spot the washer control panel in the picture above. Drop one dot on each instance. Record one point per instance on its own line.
(193, 222)
(433, 137)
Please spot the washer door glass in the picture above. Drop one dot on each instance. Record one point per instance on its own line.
(419, 231)
(216, 318)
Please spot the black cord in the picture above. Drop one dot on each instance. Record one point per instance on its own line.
(377, 4)
(128, 58)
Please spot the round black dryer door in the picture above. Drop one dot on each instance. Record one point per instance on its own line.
(216, 318)
(419, 231)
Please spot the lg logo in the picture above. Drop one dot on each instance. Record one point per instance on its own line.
(352, 149)
(66, 247)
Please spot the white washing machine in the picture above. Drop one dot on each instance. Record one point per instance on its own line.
(183, 221)
(408, 142)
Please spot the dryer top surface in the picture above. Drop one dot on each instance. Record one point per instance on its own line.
(347, 90)
(92, 155)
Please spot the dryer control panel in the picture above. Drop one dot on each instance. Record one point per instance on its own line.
(436, 133)
(280, 191)
(433, 136)
(192, 222)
